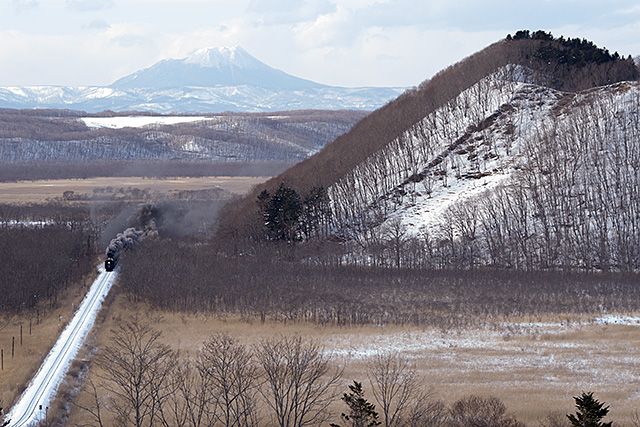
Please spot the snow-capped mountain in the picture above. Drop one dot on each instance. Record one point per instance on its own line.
(208, 81)
(213, 67)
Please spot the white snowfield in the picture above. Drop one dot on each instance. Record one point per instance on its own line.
(137, 121)
(33, 404)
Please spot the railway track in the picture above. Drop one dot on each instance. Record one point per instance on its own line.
(32, 405)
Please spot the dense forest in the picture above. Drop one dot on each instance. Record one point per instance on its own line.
(264, 285)
(31, 280)
(137, 168)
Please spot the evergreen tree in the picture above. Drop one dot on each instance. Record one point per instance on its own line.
(589, 412)
(282, 214)
(361, 412)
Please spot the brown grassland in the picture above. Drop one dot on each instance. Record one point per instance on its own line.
(535, 366)
(43, 191)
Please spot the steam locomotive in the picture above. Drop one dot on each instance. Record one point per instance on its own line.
(111, 261)
(122, 241)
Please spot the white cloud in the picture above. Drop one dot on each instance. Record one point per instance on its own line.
(633, 10)
(83, 59)
(24, 5)
(98, 24)
(233, 32)
(325, 29)
(89, 5)
(279, 12)
(400, 56)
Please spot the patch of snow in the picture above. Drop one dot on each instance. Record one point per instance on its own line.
(138, 121)
(503, 336)
(616, 319)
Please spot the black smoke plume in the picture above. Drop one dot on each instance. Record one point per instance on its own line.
(142, 225)
(169, 218)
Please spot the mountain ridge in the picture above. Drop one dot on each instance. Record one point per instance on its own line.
(210, 80)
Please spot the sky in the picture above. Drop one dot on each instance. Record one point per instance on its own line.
(348, 43)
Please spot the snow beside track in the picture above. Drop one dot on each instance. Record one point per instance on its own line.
(31, 408)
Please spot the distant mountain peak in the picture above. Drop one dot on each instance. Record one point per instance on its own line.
(215, 57)
(213, 67)
(213, 79)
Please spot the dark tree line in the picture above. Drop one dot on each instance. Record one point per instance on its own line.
(289, 218)
(40, 262)
(576, 52)
(65, 170)
(257, 285)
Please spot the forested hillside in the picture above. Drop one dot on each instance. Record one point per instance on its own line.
(523, 155)
(48, 136)
(387, 123)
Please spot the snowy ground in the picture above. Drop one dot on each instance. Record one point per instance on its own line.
(138, 121)
(414, 342)
(534, 368)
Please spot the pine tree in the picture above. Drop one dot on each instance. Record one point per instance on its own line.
(282, 214)
(361, 412)
(589, 412)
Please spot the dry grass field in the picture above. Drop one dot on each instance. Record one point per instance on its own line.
(43, 191)
(535, 366)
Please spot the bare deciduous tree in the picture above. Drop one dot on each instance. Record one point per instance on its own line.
(193, 403)
(481, 412)
(394, 384)
(136, 369)
(299, 383)
(96, 410)
(233, 379)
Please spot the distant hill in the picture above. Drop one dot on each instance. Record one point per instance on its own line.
(62, 136)
(523, 155)
(211, 80)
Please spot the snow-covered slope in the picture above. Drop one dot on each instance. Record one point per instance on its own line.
(508, 173)
(473, 141)
(210, 80)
